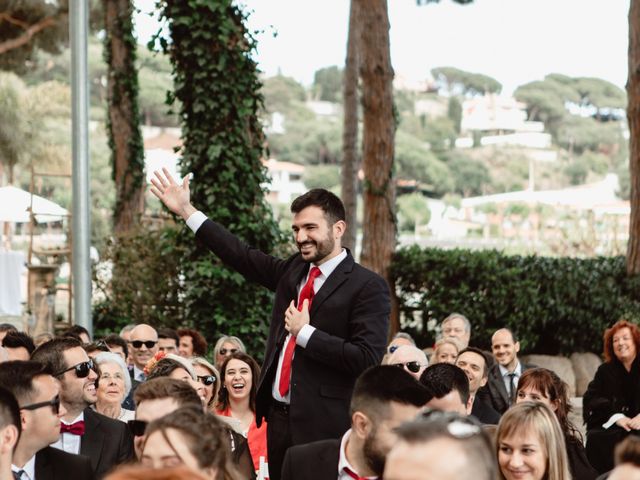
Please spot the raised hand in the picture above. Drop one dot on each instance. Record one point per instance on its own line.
(174, 195)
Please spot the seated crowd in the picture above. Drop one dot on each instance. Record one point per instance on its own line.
(147, 403)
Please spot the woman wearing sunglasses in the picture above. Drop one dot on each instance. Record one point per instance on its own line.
(189, 437)
(112, 387)
(208, 376)
(237, 399)
(225, 346)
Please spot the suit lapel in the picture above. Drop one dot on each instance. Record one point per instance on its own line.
(43, 468)
(93, 438)
(499, 383)
(327, 467)
(330, 285)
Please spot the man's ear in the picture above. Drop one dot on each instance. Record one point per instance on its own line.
(360, 424)
(483, 382)
(339, 228)
(517, 347)
(8, 438)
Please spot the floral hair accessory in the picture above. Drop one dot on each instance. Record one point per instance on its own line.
(152, 363)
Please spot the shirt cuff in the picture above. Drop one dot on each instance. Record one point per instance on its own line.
(304, 335)
(614, 418)
(195, 220)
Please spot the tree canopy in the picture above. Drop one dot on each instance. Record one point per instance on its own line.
(460, 82)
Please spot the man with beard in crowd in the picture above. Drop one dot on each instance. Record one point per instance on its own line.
(107, 442)
(329, 321)
(383, 398)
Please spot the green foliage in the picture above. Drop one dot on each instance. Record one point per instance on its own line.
(216, 81)
(413, 211)
(307, 140)
(470, 176)
(454, 112)
(321, 176)
(460, 82)
(327, 84)
(144, 254)
(282, 93)
(554, 305)
(414, 161)
(582, 134)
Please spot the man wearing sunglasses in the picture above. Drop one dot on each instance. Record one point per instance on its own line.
(37, 393)
(107, 442)
(411, 358)
(329, 321)
(143, 341)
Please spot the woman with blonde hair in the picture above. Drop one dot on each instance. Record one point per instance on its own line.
(445, 351)
(209, 377)
(530, 444)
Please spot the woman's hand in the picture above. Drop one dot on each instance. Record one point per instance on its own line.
(625, 422)
(634, 423)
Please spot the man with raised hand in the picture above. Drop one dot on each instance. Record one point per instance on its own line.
(329, 320)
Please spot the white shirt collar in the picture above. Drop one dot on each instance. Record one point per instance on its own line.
(343, 462)
(79, 418)
(518, 370)
(29, 469)
(330, 265)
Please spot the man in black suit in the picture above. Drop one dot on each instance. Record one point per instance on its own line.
(383, 398)
(473, 363)
(313, 356)
(505, 373)
(107, 442)
(37, 394)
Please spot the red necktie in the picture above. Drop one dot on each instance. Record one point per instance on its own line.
(305, 294)
(74, 428)
(353, 474)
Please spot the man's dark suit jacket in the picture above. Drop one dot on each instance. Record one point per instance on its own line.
(54, 464)
(497, 390)
(351, 316)
(484, 412)
(312, 461)
(107, 442)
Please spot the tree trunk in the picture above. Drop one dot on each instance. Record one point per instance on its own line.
(124, 130)
(379, 224)
(350, 163)
(633, 117)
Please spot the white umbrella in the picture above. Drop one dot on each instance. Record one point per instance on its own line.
(15, 204)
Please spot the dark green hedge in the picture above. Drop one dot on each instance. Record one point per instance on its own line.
(554, 305)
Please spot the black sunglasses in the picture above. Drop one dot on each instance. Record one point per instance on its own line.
(54, 404)
(146, 343)
(223, 351)
(413, 367)
(207, 379)
(393, 348)
(82, 369)
(137, 427)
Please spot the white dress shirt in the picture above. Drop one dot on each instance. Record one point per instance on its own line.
(28, 471)
(507, 379)
(69, 442)
(343, 462)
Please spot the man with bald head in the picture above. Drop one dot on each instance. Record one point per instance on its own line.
(411, 358)
(143, 342)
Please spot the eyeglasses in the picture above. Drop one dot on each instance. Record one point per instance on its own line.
(393, 348)
(207, 379)
(53, 403)
(413, 367)
(137, 427)
(224, 351)
(147, 343)
(82, 369)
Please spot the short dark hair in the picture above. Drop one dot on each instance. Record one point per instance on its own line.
(164, 367)
(75, 331)
(51, 353)
(165, 387)
(9, 410)
(485, 357)
(442, 378)
(15, 339)
(115, 339)
(165, 333)
(380, 385)
(7, 327)
(223, 394)
(330, 204)
(199, 342)
(17, 377)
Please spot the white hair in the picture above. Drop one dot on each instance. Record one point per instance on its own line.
(109, 357)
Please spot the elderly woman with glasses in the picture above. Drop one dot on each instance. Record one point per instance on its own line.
(113, 386)
(411, 358)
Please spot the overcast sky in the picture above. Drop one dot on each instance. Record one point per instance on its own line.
(514, 41)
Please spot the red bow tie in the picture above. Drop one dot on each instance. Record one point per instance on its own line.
(74, 429)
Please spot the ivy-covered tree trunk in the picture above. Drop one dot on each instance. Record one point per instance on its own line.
(350, 163)
(123, 125)
(217, 84)
(633, 117)
(379, 224)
